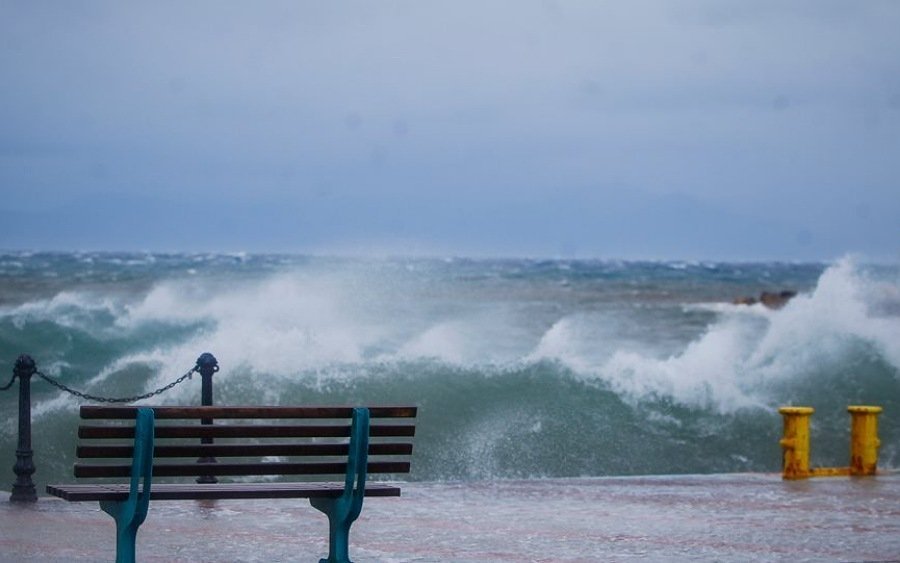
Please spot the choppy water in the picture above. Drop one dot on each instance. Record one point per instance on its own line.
(522, 368)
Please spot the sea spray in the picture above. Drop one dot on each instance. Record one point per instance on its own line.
(522, 368)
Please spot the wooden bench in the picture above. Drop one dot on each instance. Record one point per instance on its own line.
(309, 443)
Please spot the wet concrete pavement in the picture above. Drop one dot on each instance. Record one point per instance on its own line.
(738, 517)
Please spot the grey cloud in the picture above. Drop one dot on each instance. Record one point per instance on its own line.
(395, 105)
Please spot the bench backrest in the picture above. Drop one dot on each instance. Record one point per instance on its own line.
(243, 441)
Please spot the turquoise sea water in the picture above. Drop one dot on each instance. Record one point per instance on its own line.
(521, 368)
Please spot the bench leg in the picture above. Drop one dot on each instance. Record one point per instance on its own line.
(130, 513)
(340, 519)
(126, 530)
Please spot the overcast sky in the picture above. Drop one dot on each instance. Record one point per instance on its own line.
(629, 129)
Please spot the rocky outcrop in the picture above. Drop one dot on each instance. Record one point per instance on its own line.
(771, 299)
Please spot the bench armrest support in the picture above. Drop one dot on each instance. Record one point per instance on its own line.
(130, 513)
(344, 510)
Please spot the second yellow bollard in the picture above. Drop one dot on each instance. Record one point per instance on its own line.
(796, 441)
(864, 440)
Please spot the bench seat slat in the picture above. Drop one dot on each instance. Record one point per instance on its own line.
(246, 431)
(169, 412)
(263, 468)
(248, 450)
(184, 491)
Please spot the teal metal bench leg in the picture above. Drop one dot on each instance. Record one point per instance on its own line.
(130, 513)
(342, 511)
(126, 530)
(338, 529)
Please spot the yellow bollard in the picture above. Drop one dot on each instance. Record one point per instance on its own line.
(796, 441)
(864, 440)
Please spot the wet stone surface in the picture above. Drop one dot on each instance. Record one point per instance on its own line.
(739, 517)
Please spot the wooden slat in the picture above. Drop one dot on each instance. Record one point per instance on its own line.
(246, 431)
(392, 431)
(234, 469)
(178, 491)
(219, 431)
(244, 450)
(167, 412)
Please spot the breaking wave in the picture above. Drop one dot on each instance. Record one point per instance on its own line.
(521, 368)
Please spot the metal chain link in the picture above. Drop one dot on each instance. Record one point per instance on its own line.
(89, 397)
(8, 385)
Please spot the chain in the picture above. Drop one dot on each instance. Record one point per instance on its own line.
(67, 389)
(8, 385)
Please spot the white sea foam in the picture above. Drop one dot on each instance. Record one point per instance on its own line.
(278, 326)
(733, 362)
(464, 338)
(304, 323)
(819, 327)
(315, 324)
(70, 309)
(584, 341)
(444, 341)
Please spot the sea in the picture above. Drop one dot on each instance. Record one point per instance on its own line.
(521, 368)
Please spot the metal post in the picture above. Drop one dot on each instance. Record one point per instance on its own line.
(207, 365)
(864, 442)
(23, 489)
(796, 442)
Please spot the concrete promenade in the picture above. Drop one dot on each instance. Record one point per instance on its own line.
(739, 517)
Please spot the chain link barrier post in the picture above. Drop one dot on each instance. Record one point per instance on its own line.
(23, 489)
(207, 365)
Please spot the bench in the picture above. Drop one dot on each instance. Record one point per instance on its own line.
(327, 451)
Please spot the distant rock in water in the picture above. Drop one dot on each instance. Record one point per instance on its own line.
(770, 299)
